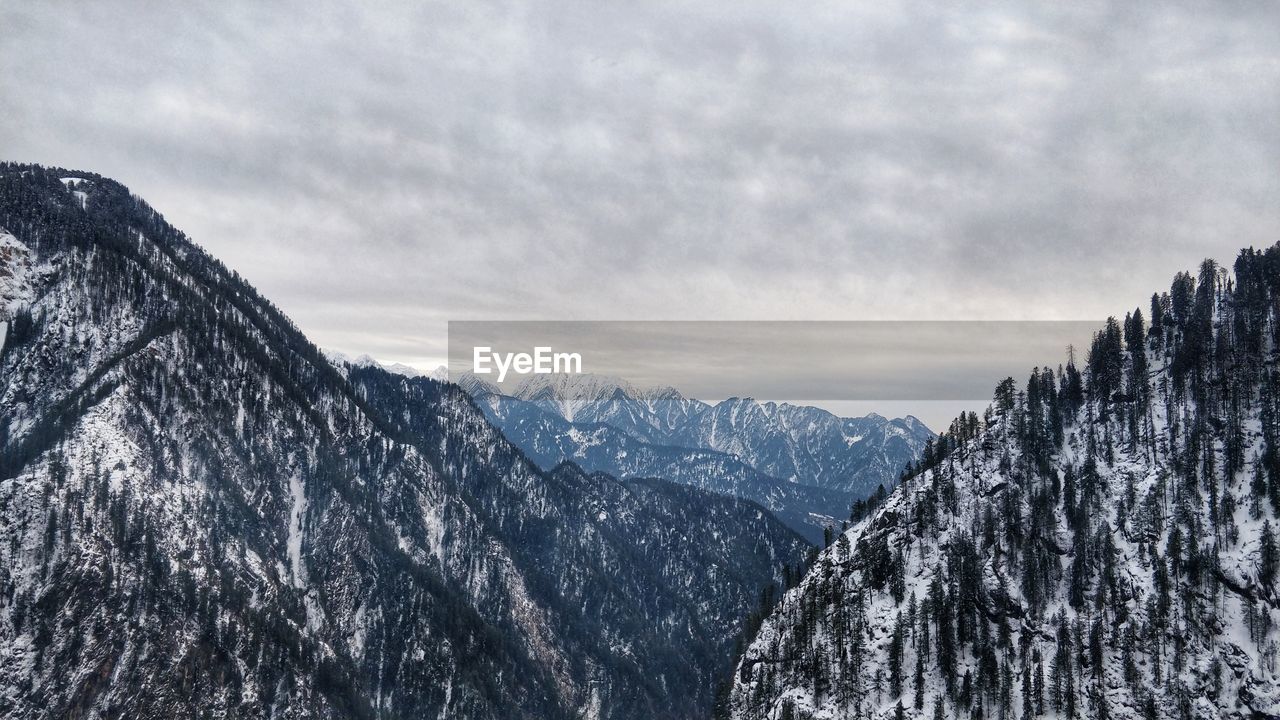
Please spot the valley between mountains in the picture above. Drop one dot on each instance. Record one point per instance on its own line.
(204, 515)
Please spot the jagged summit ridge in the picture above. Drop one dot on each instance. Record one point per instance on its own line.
(800, 444)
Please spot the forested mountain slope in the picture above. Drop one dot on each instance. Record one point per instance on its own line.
(1103, 543)
(201, 517)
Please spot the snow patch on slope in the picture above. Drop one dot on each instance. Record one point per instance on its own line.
(74, 183)
(16, 288)
(297, 516)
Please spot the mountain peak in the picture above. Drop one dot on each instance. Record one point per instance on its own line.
(364, 360)
(569, 393)
(571, 386)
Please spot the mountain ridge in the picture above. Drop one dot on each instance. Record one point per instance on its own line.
(201, 514)
(772, 453)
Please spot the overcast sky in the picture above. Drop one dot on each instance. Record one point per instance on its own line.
(378, 172)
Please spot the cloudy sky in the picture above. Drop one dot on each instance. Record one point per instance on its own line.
(378, 172)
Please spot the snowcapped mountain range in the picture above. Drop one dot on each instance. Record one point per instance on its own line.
(804, 463)
(548, 439)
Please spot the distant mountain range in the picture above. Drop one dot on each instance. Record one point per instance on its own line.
(804, 463)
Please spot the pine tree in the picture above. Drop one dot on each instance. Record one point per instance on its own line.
(895, 658)
(1269, 557)
(919, 682)
(1006, 689)
(1028, 697)
(1039, 686)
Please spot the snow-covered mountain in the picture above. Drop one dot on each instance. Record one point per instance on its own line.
(548, 439)
(796, 443)
(1103, 543)
(810, 445)
(654, 415)
(343, 361)
(803, 463)
(200, 515)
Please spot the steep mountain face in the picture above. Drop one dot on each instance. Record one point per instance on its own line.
(619, 553)
(549, 440)
(803, 463)
(201, 516)
(1102, 544)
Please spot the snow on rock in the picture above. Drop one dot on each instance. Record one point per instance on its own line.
(340, 360)
(297, 527)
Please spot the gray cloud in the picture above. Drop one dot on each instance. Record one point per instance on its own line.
(378, 172)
